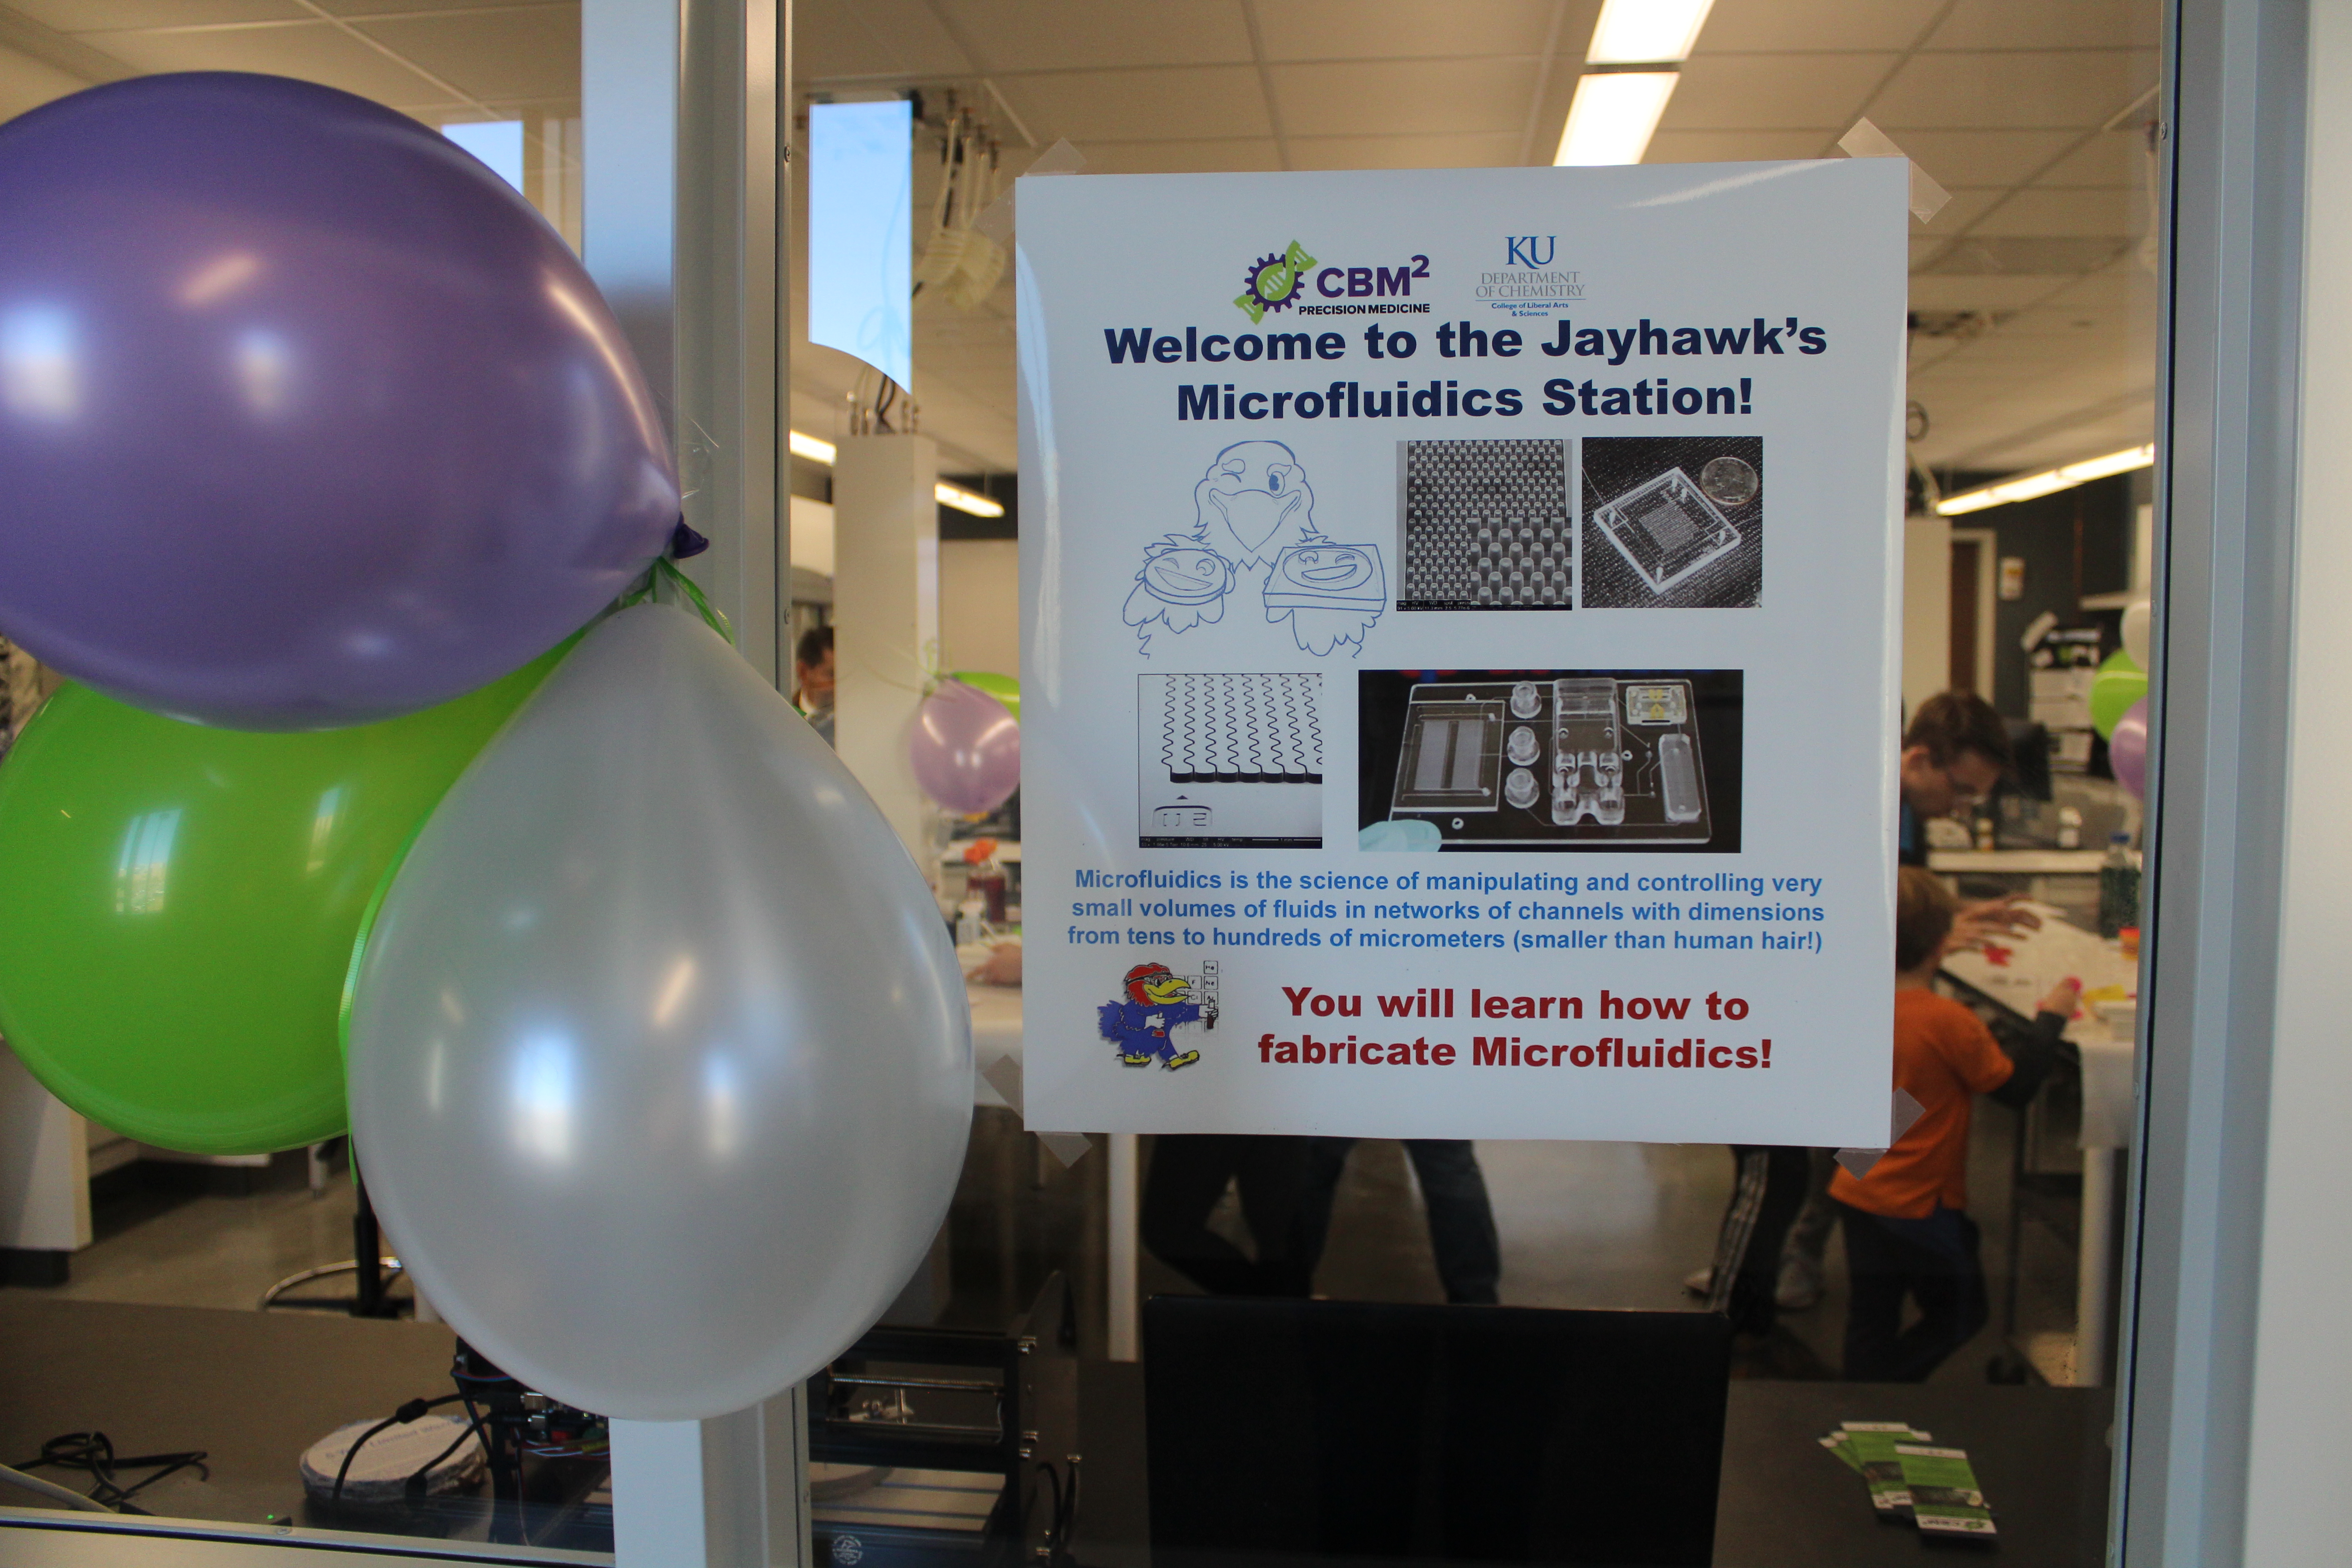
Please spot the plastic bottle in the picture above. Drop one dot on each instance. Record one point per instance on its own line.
(2118, 886)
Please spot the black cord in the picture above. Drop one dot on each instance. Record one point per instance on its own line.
(400, 1417)
(1065, 1517)
(492, 1443)
(92, 1454)
(414, 1486)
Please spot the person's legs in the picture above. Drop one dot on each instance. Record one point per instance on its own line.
(1765, 1196)
(1948, 1281)
(1271, 1175)
(1460, 1220)
(1809, 1238)
(1326, 1161)
(1878, 1277)
(1188, 1173)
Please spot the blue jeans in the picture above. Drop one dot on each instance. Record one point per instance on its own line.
(1933, 1261)
(1461, 1221)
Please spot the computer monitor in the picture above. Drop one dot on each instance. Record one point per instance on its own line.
(1377, 1432)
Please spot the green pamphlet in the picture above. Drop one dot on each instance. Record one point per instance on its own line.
(1945, 1499)
(1872, 1445)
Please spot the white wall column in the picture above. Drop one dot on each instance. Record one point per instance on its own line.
(732, 1491)
(683, 222)
(1926, 609)
(886, 611)
(2303, 1363)
(43, 1165)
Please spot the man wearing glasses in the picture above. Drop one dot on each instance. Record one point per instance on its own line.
(1955, 754)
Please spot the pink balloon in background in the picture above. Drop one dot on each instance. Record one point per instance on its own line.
(966, 749)
(2127, 750)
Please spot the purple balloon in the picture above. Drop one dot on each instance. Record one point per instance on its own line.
(307, 419)
(2128, 749)
(966, 748)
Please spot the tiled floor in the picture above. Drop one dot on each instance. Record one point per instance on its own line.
(180, 1236)
(1583, 1225)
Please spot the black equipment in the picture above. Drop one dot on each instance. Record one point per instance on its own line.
(950, 1445)
(1371, 1432)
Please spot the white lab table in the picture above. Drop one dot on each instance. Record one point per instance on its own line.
(2016, 971)
(2018, 862)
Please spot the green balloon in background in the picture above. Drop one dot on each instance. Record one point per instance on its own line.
(2118, 684)
(1003, 688)
(178, 903)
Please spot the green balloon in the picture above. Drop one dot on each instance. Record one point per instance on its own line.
(1003, 688)
(2118, 684)
(181, 903)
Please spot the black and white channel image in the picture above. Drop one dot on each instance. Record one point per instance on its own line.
(1674, 523)
(1229, 762)
(1484, 525)
(1557, 758)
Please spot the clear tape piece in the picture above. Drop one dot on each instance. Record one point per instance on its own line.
(1867, 141)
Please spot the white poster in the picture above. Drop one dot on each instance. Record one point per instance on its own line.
(1459, 662)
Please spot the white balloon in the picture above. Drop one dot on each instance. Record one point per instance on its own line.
(660, 1058)
(2137, 614)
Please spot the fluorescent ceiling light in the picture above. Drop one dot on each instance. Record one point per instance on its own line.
(1642, 32)
(1612, 117)
(2049, 481)
(964, 500)
(816, 451)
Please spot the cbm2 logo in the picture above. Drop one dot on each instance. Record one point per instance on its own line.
(1279, 280)
(1529, 250)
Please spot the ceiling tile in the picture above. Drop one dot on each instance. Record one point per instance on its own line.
(2052, 256)
(1931, 291)
(27, 84)
(1809, 24)
(94, 16)
(1967, 204)
(1209, 157)
(2018, 90)
(1066, 35)
(2114, 159)
(1984, 157)
(886, 38)
(1428, 97)
(497, 57)
(1140, 105)
(1473, 151)
(394, 7)
(2043, 24)
(2067, 213)
(1772, 92)
(1355, 30)
(316, 52)
(1729, 146)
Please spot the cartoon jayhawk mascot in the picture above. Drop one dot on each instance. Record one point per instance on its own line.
(1143, 1023)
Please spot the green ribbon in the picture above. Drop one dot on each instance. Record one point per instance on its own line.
(666, 569)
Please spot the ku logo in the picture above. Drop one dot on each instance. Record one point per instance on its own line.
(1157, 1004)
(1530, 249)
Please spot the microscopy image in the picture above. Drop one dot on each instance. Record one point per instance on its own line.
(1557, 759)
(1229, 762)
(1484, 525)
(1673, 521)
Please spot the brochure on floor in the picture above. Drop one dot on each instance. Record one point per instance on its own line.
(1459, 656)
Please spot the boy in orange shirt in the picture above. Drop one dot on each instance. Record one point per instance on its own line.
(1906, 1233)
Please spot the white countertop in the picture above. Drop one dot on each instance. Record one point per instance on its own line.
(2023, 862)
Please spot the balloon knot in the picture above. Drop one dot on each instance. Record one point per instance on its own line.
(684, 543)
